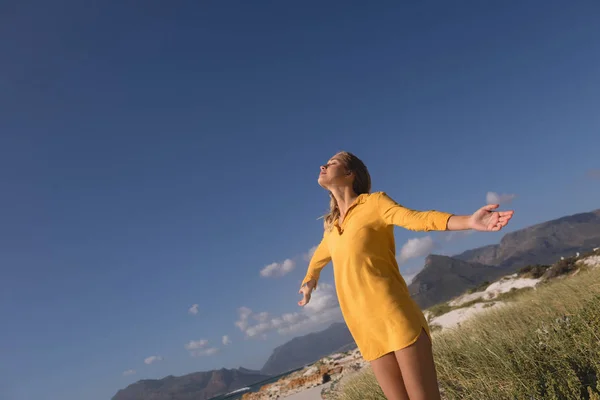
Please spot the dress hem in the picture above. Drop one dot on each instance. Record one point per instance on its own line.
(411, 342)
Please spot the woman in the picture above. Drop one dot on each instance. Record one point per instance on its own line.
(389, 328)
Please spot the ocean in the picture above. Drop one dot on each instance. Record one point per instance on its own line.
(252, 388)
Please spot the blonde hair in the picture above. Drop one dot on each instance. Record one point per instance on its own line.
(361, 184)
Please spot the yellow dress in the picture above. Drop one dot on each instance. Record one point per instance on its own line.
(373, 296)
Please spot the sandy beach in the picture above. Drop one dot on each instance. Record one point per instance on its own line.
(309, 394)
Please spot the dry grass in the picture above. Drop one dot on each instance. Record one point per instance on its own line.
(544, 345)
(361, 386)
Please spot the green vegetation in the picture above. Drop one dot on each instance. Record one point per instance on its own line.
(439, 309)
(479, 288)
(562, 267)
(543, 345)
(513, 294)
(362, 386)
(532, 271)
(443, 308)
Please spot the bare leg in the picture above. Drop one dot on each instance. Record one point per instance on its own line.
(388, 375)
(418, 369)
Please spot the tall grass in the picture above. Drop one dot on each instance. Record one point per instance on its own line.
(543, 345)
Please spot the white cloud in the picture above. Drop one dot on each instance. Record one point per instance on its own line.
(278, 269)
(193, 309)
(322, 308)
(152, 359)
(323, 299)
(258, 329)
(262, 316)
(408, 278)
(196, 344)
(226, 341)
(416, 247)
(495, 198)
(129, 372)
(197, 348)
(310, 321)
(456, 235)
(308, 255)
(242, 322)
(204, 352)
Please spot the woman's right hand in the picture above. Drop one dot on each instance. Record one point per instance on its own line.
(305, 291)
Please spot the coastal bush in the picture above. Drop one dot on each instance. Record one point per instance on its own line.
(438, 310)
(532, 271)
(562, 267)
(513, 294)
(479, 288)
(543, 345)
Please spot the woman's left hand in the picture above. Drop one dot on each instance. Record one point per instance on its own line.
(487, 220)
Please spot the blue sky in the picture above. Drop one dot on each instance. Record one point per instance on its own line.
(157, 157)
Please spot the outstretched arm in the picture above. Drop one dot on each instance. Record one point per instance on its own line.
(485, 219)
(318, 261)
(395, 214)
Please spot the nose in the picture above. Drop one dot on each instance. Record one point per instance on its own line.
(323, 168)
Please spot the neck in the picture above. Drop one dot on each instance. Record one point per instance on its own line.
(344, 196)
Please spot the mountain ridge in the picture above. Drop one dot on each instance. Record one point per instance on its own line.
(308, 348)
(542, 243)
(194, 386)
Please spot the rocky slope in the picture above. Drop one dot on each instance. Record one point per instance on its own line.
(195, 386)
(329, 369)
(494, 295)
(445, 277)
(308, 348)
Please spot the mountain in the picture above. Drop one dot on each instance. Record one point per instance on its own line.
(307, 349)
(195, 386)
(443, 277)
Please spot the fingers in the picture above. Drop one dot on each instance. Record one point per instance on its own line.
(505, 214)
(499, 225)
(305, 296)
(494, 226)
(491, 206)
(504, 217)
(304, 301)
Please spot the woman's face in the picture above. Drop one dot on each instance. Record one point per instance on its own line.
(334, 173)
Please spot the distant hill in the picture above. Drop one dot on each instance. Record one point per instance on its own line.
(195, 386)
(307, 349)
(445, 277)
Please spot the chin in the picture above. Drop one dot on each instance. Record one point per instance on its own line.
(322, 181)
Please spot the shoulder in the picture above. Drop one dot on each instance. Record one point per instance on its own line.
(375, 197)
(374, 200)
(381, 201)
